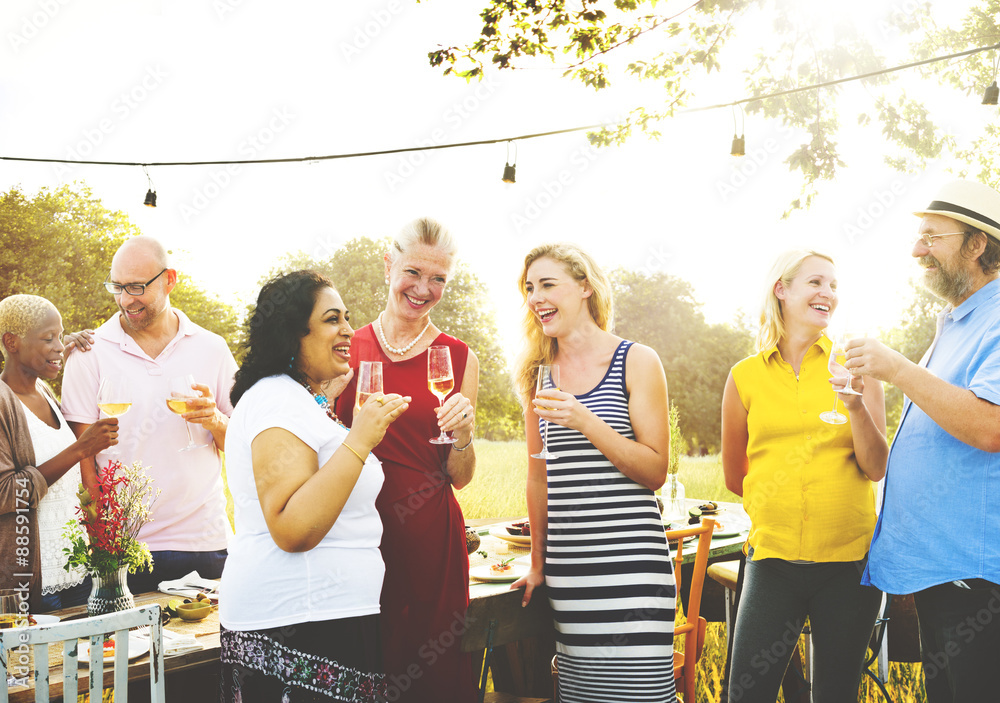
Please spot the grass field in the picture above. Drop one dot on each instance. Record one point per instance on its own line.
(498, 491)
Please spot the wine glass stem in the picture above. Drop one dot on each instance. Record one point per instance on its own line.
(835, 399)
(545, 438)
(187, 426)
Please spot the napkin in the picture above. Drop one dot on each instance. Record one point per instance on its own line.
(190, 586)
(175, 643)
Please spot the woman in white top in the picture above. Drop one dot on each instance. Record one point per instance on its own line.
(31, 330)
(300, 590)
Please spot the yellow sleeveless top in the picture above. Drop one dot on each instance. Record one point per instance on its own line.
(806, 496)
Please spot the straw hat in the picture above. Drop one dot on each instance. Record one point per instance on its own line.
(973, 203)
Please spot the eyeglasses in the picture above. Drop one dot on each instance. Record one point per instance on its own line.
(928, 239)
(135, 289)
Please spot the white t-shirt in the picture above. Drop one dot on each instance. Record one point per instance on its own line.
(341, 577)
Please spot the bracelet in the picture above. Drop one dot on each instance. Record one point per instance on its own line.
(353, 451)
(467, 445)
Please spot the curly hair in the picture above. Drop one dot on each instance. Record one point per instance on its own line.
(275, 329)
(19, 314)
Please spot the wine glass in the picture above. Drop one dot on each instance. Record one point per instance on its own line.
(548, 378)
(440, 381)
(11, 617)
(837, 368)
(369, 382)
(114, 398)
(180, 393)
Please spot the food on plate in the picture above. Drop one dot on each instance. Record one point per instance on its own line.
(472, 540)
(522, 528)
(109, 647)
(709, 507)
(202, 597)
(502, 566)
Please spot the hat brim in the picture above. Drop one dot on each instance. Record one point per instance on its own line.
(964, 215)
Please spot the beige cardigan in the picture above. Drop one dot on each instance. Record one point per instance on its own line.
(22, 486)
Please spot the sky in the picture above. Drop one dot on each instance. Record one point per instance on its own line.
(150, 80)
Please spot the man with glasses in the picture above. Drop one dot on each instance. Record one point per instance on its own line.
(938, 534)
(149, 342)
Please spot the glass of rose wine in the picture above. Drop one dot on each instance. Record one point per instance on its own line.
(547, 379)
(441, 382)
(369, 382)
(180, 393)
(114, 398)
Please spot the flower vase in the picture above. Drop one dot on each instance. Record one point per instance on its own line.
(673, 496)
(110, 593)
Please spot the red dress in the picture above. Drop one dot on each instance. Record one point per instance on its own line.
(426, 589)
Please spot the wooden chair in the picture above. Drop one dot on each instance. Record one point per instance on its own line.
(70, 632)
(514, 643)
(693, 630)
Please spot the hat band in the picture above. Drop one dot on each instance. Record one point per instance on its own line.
(959, 210)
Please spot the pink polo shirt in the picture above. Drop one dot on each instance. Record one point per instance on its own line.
(190, 513)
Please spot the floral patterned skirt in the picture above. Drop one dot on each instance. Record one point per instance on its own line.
(333, 660)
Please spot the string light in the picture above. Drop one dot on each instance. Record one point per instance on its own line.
(509, 168)
(739, 147)
(150, 200)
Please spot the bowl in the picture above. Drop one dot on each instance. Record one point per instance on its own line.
(194, 611)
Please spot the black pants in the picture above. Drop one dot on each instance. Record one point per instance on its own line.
(960, 641)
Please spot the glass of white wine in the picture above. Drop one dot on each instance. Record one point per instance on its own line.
(548, 378)
(180, 393)
(369, 382)
(441, 382)
(114, 398)
(838, 369)
(11, 616)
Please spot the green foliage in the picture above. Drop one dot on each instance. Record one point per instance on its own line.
(661, 312)
(911, 338)
(601, 43)
(465, 312)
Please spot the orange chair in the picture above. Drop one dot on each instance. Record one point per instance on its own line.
(686, 663)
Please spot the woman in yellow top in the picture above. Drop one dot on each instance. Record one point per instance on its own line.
(807, 488)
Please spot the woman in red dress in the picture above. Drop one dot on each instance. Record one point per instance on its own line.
(426, 589)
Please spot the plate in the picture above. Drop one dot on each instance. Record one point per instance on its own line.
(137, 646)
(723, 531)
(500, 532)
(45, 619)
(484, 573)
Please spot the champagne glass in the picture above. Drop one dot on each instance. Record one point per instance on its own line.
(180, 393)
(440, 381)
(548, 378)
(11, 617)
(369, 382)
(114, 398)
(836, 366)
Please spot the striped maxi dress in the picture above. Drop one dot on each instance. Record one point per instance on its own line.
(608, 572)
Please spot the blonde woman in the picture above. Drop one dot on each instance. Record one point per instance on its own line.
(597, 543)
(807, 488)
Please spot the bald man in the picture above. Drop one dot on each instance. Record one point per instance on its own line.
(149, 343)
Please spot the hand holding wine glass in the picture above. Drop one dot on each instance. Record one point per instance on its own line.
(180, 393)
(441, 382)
(114, 398)
(547, 379)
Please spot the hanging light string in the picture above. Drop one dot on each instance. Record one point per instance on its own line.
(536, 135)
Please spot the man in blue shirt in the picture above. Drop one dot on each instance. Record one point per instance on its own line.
(938, 534)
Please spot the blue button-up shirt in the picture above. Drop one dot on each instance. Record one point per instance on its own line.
(940, 518)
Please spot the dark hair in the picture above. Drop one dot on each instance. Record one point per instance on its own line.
(989, 260)
(275, 329)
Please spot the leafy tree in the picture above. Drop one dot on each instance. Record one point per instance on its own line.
(661, 312)
(59, 244)
(465, 312)
(603, 43)
(911, 338)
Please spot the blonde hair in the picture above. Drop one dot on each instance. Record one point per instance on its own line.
(427, 231)
(785, 269)
(19, 314)
(538, 348)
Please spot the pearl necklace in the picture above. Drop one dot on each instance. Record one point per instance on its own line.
(389, 347)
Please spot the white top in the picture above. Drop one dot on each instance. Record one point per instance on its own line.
(58, 506)
(341, 577)
(190, 513)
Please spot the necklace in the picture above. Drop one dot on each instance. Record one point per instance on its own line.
(323, 402)
(389, 347)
